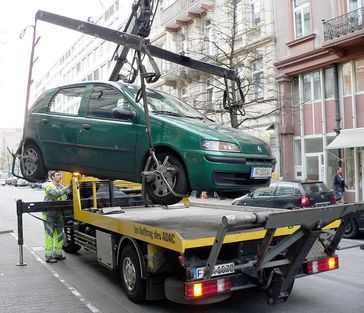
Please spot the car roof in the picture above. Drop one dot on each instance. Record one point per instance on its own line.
(296, 181)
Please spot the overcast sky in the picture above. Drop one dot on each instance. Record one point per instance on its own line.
(15, 52)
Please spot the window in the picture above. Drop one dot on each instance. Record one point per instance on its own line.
(311, 86)
(285, 191)
(329, 83)
(359, 75)
(295, 91)
(183, 44)
(104, 99)
(209, 93)
(208, 37)
(67, 101)
(347, 78)
(255, 6)
(302, 18)
(306, 81)
(257, 82)
(355, 4)
(184, 94)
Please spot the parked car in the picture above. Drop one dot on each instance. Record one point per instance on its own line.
(20, 182)
(9, 181)
(36, 185)
(98, 129)
(289, 195)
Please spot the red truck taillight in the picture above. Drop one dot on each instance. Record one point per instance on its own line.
(323, 265)
(207, 288)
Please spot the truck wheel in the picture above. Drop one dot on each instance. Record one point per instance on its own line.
(68, 245)
(157, 190)
(351, 230)
(32, 164)
(131, 275)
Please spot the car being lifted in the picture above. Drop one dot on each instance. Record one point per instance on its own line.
(98, 129)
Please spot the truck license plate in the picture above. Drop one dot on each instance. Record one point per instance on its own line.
(197, 273)
(260, 172)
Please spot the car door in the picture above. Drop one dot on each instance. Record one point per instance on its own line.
(107, 143)
(284, 197)
(261, 197)
(58, 127)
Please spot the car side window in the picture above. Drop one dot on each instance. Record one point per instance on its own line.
(67, 100)
(104, 99)
(263, 192)
(285, 190)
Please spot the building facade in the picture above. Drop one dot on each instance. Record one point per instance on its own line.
(320, 63)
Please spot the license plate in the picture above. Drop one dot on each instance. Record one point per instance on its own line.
(197, 273)
(260, 172)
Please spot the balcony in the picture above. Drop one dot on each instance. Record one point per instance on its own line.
(182, 12)
(344, 28)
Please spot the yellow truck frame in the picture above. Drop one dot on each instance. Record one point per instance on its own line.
(195, 253)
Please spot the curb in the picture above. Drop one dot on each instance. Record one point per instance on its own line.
(4, 230)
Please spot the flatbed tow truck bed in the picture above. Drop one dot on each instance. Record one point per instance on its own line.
(195, 253)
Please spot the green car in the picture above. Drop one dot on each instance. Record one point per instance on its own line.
(99, 129)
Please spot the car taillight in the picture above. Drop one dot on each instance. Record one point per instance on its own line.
(207, 288)
(333, 199)
(323, 265)
(305, 201)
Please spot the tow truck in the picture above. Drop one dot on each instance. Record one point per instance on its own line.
(191, 253)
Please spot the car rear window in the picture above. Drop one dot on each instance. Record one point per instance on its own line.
(315, 188)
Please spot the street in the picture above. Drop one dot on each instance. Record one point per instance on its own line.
(335, 292)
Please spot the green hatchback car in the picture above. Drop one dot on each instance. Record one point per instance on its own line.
(99, 129)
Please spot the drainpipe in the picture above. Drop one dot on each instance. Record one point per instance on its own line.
(337, 107)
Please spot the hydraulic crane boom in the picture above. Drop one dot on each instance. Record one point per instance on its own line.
(134, 42)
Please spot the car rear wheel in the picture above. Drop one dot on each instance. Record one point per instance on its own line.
(158, 191)
(351, 230)
(32, 164)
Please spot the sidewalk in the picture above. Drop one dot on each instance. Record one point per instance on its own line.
(33, 288)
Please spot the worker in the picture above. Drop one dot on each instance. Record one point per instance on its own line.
(53, 222)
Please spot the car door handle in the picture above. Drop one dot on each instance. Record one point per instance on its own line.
(86, 126)
(44, 120)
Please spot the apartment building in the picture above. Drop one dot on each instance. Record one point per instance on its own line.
(320, 63)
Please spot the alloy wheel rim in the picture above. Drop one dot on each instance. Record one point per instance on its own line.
(129, 274)
(30, 161)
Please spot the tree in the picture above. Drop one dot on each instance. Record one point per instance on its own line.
(236, 36)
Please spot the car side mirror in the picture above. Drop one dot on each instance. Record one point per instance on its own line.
(123, 114)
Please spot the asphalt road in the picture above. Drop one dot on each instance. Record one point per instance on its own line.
(331, 292)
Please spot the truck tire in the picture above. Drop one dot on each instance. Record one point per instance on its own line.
(68, 245)
(157, 190)
(131, 275)
(351, 230)
(32, 164)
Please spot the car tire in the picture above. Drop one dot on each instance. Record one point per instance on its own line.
(158, 192)
(32, 164)
(351, 230)
(131, 275)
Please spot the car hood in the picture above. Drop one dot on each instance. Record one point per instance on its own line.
(209, 130)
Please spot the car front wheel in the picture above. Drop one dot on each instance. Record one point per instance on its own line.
(32, 164)
(157, 190)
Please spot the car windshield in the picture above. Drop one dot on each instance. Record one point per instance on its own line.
(315, 188)
(162, 103)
